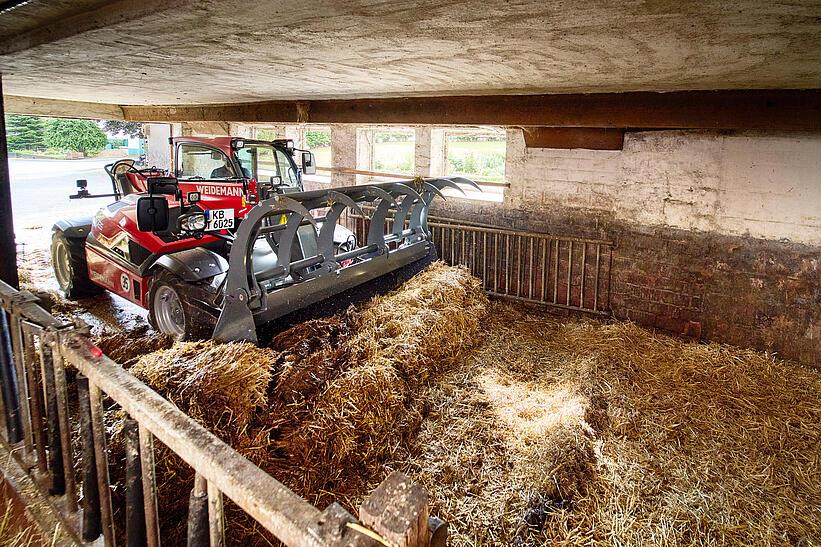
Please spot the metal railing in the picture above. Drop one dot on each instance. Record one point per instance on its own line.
(558, 271)
(44, 419)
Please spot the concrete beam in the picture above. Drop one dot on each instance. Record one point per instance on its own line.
(590, 138)
(53, 108)
(93, 19)
(789, 110)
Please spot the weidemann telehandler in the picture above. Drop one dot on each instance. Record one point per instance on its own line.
(231, 240)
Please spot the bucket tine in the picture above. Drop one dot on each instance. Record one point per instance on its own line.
(376, 232)
(411, 197)
(325, 244)
(463, 180)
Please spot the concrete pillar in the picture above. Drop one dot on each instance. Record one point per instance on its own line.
(343, 153)
(364, 153)
(515, 158)
(437, 152)
(157, 147)
(297, 134)
(8, 249)
(422, 144)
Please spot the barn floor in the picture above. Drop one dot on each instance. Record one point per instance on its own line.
(580, 431)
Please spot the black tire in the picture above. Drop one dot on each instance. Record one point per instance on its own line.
(68, 258)
(183, 322)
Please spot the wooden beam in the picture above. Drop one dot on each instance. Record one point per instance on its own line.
(33, 106)
(590, 138)
(788, 110)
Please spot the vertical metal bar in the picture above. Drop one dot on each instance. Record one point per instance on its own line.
(484, 259)
(596, 290)
(65, 429)
(463, 260)
(92, 527)
(519, 265)
(569, 270)
(134, 504)
(545, 265)
(216, 519)
(55, 452)
(22, 387)
(474, 260)
(152, 526)
(10, 389)
(452, 245)
(556, 274)
(507, 263)
(496, 262)
(530, 276)
(103, 481)
(584, 266)
(198, 531)
(8, 249)
(35, 392)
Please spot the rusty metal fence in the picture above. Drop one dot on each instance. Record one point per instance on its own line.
(546, 269)
(54, 425)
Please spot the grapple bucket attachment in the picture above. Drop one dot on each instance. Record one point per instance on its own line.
(308, 266)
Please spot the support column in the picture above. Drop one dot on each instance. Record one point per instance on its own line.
(422, 145)
(343, 153)
(8, 249)
(157, 149)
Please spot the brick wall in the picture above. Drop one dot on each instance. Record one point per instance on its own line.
(716, 235)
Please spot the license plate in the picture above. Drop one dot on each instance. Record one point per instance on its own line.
(219, 219)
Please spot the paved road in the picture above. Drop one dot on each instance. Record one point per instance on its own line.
(40, 190)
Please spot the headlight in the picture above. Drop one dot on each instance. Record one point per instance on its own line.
(193, 223)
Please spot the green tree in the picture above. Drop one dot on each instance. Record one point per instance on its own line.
(25, 133)
(132, 129)
(78, 135)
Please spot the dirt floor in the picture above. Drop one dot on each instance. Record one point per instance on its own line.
(572, 431)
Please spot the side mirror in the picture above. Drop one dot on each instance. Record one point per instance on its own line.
(152, 214)
(166, 186)
(308, 164)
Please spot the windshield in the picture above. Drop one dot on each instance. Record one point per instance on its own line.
(263, 161)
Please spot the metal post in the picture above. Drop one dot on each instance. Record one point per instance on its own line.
(8, 376)
(134, 506)
(198, 530)
(55, 445)
(152, 527)
(65, 428)
(216, 519)
(92, 527)
(8, 250)
(101, 457)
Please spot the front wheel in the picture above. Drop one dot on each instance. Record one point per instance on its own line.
(68, 257)
(171, 313)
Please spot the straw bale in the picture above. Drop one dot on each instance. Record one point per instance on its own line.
(127, 346)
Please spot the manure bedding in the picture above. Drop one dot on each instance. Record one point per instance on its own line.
(525, 428)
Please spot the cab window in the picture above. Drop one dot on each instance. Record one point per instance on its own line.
(264, 161)
(196, 161)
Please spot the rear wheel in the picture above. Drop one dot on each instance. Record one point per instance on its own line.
(171, 312)
(68, 257)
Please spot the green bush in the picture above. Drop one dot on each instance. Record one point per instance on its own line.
(75, 135)
(25, 133)
(317, 139)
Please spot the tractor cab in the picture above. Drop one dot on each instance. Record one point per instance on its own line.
(230, 172)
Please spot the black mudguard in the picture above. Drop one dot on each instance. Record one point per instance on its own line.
(192, 265)
(75, 228)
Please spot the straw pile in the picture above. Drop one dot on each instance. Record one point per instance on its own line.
(352, 400)
(328, 402)
(583, 432)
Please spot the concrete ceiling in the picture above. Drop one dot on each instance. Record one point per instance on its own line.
(225, 51)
